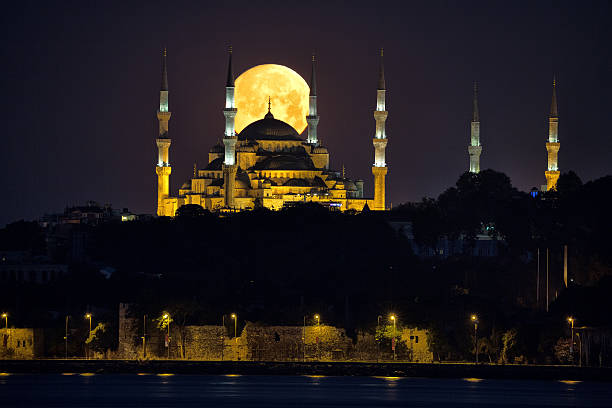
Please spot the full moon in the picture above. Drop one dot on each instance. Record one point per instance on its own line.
(286, 88)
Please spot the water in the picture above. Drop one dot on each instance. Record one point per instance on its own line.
(129, 390)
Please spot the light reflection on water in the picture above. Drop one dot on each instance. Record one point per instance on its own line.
(117, 390)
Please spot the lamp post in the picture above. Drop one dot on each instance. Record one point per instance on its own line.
(570, 320)
(377, 329)
(318, 319)
(474, 319)
(66, 340)
(304, 339)
(393, 319)
(88, 316)
(144, 336)
(166, 316)
(5, 317)
(222, 335)
(235, 326)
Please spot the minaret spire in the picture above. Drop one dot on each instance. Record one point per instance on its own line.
(379, 170)
(553, 145)
(313, 117)
(164, 81)
(475, 113)
(381, 71)
(163, 169)
(230, 71)
(474, 149)
(229, 139)
(554, 113)
(313, 78)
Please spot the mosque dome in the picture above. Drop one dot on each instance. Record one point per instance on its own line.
(269, 128)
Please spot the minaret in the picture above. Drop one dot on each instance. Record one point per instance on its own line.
(552, 146)
(229, 139)
(163, 168)
(313, 117)
(379, 170)
(474, 149)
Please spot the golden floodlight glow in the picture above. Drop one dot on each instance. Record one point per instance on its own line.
(569, 382)
(473, 380)
(287, 90)
(165, 375)
(87, 374)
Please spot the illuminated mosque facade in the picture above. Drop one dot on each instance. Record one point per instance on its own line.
(268, 163)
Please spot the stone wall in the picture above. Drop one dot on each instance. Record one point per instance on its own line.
(262, 343)
(21, 343)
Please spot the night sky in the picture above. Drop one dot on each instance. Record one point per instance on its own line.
(80, 85)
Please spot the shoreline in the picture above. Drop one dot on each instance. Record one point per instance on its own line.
(386, 369)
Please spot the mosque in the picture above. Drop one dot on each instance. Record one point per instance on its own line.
(268, 163)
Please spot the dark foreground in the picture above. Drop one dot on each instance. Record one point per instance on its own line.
(158, 390)
(515, 372)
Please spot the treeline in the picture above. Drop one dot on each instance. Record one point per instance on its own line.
(277, 267)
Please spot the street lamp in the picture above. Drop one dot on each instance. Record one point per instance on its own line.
(571, 320)
(377, 329)
(144, 336)
(235, 326)
(5, 317)
(318, 319)
(66, 339)
(474, 319)
(166, 317)
(394, 320)
(222, 335)
(88, 316)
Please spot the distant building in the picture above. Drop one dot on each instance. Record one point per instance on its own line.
(21, 266)
(92, 213)
(483, 246)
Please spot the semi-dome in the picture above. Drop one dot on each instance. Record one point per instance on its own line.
(269, 128)
(286, 162)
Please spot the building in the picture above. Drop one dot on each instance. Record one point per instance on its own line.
(268, 164)
(483, 244)
(23, 267)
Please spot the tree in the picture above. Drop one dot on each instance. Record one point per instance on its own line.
(562, 350)
(509, 343)
(101, 338)
(191, 211)
(178, 313)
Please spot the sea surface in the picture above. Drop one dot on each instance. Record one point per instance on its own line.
(159, 390)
